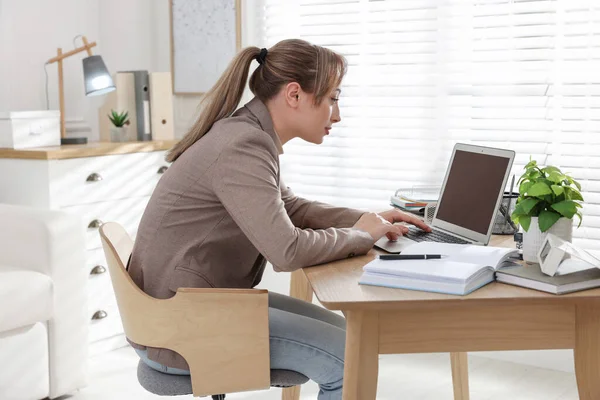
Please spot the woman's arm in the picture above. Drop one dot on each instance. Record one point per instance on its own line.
(316, 215)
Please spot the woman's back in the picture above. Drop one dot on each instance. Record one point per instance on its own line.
(187, 237)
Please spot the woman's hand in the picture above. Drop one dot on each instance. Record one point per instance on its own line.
(395, 215)
(377, 226)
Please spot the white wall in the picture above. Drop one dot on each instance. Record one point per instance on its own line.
(131, 34)
(31, 32)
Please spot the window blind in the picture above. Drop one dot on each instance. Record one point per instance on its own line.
(426, 74)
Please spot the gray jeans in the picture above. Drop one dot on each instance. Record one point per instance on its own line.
(304, 338)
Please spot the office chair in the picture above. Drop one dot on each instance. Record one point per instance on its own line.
(223, 334)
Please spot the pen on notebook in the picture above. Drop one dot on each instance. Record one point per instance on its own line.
(410, 256)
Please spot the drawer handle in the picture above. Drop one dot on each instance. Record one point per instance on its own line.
(94, 177)
(100, 314)
(95, 224)
(162, 170)
(98, 270)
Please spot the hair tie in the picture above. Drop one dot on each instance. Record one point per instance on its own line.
(262, 56)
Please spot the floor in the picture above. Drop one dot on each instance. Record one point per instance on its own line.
(401, 377)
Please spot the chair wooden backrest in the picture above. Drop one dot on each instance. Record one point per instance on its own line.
(223, 334)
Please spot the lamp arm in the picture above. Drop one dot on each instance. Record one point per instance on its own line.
(87, 47)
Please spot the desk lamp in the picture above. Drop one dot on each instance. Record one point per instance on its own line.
(96, 78)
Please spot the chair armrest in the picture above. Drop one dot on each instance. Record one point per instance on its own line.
(53, 243)
(219, 332)
(222, 290)
(228, 337)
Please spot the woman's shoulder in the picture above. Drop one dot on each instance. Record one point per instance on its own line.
(239, 130)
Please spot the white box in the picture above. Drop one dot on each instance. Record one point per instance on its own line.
(27, 129)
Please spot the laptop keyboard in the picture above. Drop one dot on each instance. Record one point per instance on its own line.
(419, 235)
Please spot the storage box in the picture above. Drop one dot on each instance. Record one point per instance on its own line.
(26, 129)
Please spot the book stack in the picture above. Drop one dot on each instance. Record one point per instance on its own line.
(573, 276)
(463, 268)
(413, 200)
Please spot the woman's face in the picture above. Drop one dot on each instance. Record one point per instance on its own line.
(315, 121)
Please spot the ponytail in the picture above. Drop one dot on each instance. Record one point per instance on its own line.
(316, 69)
(220, 101)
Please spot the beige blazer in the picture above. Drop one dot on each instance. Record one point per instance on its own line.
(221, 209)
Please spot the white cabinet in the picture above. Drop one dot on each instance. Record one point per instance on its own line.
(100, 183)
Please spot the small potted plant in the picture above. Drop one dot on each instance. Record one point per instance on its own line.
(120, 121)
(548, 200)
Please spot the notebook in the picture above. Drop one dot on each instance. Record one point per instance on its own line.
(571, 279)
(465, 269)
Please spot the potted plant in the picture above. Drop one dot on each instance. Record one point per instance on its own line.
(548, 200)
(118, 132)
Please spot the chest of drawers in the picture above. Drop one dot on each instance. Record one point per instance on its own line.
(98, 182)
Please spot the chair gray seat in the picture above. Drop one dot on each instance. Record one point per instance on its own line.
(177, 385)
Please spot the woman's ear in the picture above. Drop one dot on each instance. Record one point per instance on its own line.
(292, 93)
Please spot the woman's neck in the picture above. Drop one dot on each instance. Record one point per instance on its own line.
(277, 110)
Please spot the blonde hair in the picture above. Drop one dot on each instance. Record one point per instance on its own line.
(316, 69)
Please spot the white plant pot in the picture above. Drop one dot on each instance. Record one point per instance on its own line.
(118, 134)
(533, 239)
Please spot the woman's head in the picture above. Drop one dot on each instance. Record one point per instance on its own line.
(298, 81)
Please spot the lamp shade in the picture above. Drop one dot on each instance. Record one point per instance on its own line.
(96, 77)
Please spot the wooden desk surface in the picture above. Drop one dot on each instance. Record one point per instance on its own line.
(91, 149)
(336, 286)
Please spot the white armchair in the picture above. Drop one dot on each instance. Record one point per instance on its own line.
(43, 315)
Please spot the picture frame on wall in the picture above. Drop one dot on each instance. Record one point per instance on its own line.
(205, 36)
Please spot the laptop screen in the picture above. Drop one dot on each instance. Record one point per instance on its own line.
(472, 189)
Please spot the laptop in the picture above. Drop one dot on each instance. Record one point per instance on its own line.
(470, 195)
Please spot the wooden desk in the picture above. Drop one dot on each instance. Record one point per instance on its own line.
(495, 317)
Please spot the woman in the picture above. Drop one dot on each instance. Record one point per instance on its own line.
(221, 210)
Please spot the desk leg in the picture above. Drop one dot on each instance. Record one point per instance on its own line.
(300, 289)
(587, 352)
(460, 375)
(361, 365)
(299, 286)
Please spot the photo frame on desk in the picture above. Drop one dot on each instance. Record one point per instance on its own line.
(205, 36)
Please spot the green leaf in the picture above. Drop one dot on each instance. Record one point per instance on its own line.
(547, 219)
(566, 208)
(550, 169)
(525, 186)
(573, 182)
(528, 204)
(534, 175)
(530, 164)
(519, 209)
(558, 190)
(119, 119)
(556, 177)
(525, 222)
(539, 189)
(580, 216)
(575, 195)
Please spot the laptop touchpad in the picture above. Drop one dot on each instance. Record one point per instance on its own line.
(393, 247)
